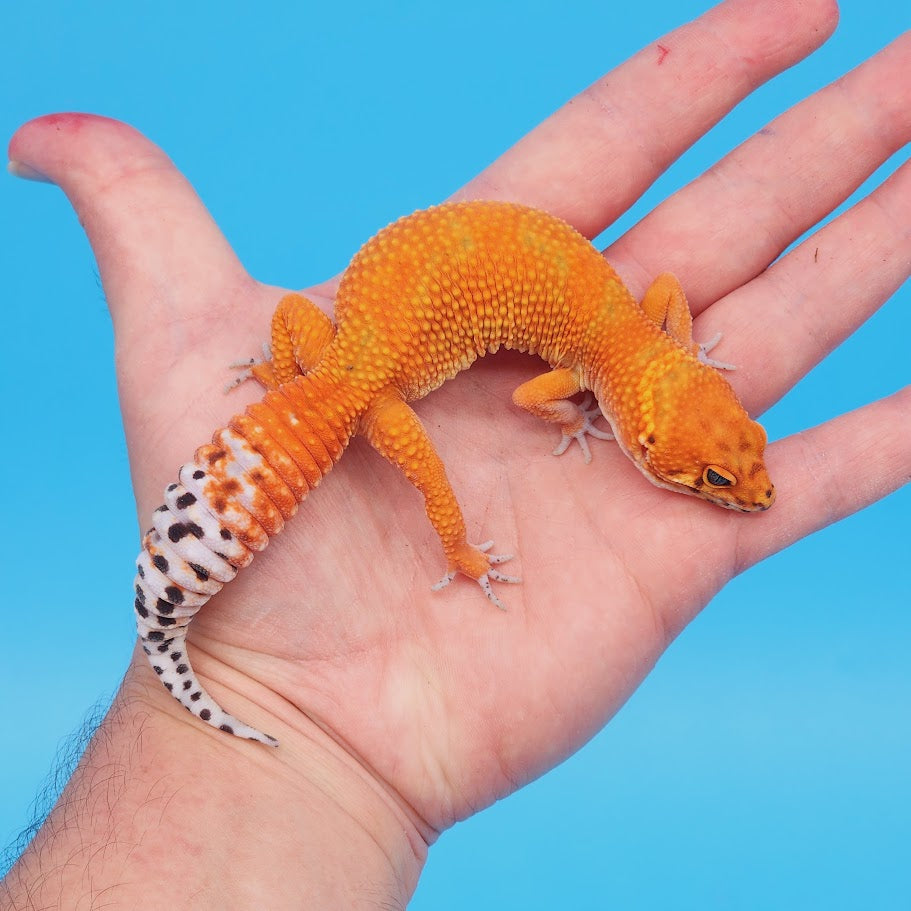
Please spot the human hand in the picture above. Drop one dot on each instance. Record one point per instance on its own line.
(449, 703)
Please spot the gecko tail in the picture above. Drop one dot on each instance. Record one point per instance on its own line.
(169, 659)
(187, 556)
(236, 494)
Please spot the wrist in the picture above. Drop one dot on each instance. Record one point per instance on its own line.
(164, 805)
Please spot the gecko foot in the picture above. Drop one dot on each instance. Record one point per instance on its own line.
(706, 347)
(589, 411)
(247, 368)
(484, 580)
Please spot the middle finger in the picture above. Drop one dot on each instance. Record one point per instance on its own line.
(725, 227)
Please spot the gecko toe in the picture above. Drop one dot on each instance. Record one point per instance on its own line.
(502, 577)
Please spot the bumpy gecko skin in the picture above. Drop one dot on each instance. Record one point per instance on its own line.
(421, 301)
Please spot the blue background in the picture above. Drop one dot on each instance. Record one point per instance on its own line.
(765, 763)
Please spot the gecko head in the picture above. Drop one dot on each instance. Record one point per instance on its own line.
(699, 440)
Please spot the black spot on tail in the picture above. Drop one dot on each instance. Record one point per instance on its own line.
(201, 572)
(180, 530)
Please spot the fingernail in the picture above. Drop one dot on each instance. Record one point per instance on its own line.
(27, 172)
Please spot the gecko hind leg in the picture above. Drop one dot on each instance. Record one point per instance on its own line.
(395, 432)
(300, 333)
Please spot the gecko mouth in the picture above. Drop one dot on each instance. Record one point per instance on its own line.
(740, 505)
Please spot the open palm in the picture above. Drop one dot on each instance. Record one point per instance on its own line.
(446, 700)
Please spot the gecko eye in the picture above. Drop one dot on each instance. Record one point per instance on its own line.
(718, 477)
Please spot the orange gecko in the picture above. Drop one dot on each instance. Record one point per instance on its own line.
(421, 301)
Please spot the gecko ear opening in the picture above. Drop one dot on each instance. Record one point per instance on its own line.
(718, 477)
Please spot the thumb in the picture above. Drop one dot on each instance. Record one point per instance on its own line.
(144, 221)
(181, 303)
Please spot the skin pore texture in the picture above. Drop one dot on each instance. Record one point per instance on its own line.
(400, 710)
